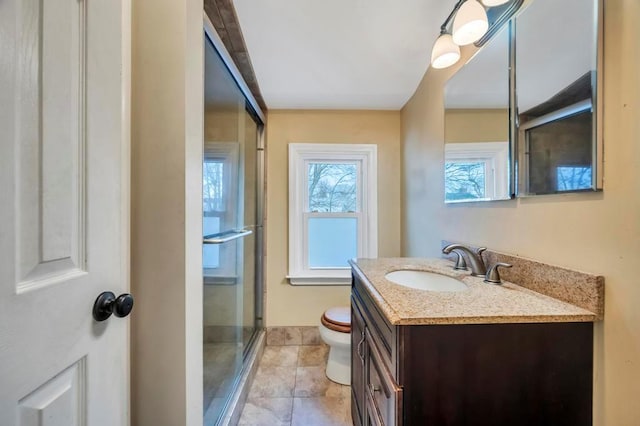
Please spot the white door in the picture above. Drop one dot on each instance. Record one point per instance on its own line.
(63, 211)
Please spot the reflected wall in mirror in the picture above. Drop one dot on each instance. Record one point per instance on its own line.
(476, 108)
(556, 80)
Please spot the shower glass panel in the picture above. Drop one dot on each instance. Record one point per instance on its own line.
(230, 194)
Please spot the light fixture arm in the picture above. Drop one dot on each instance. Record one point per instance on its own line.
(443, 28)
(469, 23)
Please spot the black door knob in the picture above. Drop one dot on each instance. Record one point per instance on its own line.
(107, 303)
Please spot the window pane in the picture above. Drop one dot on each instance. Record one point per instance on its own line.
(210, 252)
(332, 241)
(558, 150)
(332, 187)
(212, 187)
(573, 178)
(464, 180)
(213, 201)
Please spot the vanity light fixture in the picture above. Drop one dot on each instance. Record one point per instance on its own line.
(492, 3)
(445, 52)
(470, 23)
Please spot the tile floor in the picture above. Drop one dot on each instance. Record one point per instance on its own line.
(291, 388)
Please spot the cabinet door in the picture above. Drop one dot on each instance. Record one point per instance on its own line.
(358, 347)
(373, 415)
(383, 393)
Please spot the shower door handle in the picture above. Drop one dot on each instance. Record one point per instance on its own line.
(224, 237)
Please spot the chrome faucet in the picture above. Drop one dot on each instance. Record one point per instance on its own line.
(461, 264)
(493, 276)
(474, 258)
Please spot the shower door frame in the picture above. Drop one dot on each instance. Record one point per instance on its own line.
(253, 109)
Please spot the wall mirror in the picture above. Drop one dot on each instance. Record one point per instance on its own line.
(477, 126)
(556, 63)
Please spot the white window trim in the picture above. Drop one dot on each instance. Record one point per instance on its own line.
(229, 154)
(496, 154)
(299, 155)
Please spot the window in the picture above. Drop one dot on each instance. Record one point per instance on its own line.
(332, 210)
(573, 178)
(219, 198)
(475, 171)
(466, 180)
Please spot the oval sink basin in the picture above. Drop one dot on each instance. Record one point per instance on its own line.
(423, 280)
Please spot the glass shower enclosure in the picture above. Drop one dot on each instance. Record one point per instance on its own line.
(232, 191)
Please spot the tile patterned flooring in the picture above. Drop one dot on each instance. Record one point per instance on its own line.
(291, 388)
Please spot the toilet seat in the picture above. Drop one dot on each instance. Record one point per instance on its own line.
(335, 331)
(337, 319)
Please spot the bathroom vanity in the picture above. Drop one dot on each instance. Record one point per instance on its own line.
(498, 355)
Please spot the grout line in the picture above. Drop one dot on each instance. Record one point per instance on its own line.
(295, 381)
(291, 420)
(295, 385)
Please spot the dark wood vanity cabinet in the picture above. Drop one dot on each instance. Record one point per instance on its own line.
(468, 374)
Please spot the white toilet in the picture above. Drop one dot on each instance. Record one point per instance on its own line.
(335, 330)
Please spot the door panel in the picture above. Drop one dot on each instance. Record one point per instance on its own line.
(59, 402)
(49, 141)
(64, 191)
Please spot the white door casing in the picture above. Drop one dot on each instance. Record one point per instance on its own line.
(64, 210)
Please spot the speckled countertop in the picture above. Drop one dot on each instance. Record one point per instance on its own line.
(481, 303)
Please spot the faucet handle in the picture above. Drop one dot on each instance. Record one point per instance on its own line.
(460, 262)
(493, 275)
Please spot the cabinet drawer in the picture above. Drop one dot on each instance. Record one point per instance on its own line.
(382, 391)
(382, 332)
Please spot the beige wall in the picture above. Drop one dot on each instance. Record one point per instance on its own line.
(221, 125)
(299, 305)
(476, 125)
(166, 213)
(598, 233)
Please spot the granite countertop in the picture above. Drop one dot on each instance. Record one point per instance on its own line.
(481, 303)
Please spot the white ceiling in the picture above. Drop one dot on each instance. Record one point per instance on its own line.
(340, 54)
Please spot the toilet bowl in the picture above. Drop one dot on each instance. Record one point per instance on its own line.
(335, 331)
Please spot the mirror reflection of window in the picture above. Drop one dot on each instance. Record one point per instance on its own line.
(477, 126)
(465, 180)
(573, 178)
(476, 171)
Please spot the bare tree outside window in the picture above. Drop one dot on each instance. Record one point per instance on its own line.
(213, 187)
(571, 178)
(332, 187)
(464, 181)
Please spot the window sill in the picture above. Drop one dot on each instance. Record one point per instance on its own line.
(219, 280)
(319, 281)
